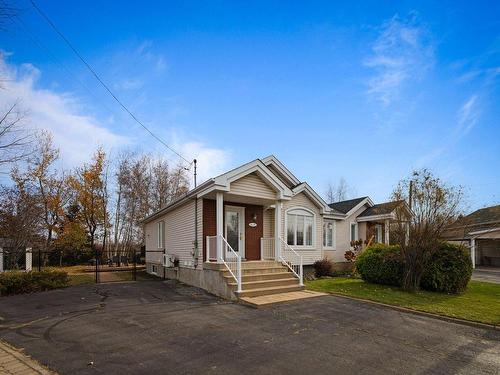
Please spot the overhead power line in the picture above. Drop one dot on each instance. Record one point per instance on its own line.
(106, 87)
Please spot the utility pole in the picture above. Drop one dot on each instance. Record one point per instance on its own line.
(196, 248)
(195, 161)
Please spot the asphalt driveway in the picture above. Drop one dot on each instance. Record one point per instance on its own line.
(489, 274)
(164, 327)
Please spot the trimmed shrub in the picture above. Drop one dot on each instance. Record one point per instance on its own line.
(448, 270)
(381, 264)
(323, 267)
(18, 282)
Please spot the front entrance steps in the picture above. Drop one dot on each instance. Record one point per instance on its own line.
(260, 278)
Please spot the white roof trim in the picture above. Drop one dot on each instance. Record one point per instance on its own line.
(273, 160)
(484, 231)
(367, 200)
(223, 182)
(390, 216)
(305, 188)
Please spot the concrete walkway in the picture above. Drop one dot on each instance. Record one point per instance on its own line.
(488, 274)
(13, 362)
(281, 297)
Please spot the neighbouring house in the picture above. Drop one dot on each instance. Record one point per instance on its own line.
(252, 230)
(480, 232)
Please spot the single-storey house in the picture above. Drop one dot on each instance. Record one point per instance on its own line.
(480, 232)
(252, 230)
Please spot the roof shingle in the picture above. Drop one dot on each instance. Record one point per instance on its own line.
(347, 205)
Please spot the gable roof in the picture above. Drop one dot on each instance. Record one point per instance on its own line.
(309, 191)
(482, 216)
(347, 205)
(223, 181)
(281, 171)
(483, 219)
(381, 208)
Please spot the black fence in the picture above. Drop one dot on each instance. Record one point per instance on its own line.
(101, 266)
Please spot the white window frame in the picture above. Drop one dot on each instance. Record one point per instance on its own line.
(356, 231)
(334, 234)
(161, 234)
(378, 233)
(312, 215)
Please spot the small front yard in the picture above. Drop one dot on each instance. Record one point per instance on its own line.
(480, 302)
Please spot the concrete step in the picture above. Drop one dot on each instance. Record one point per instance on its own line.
(258, 271)
(260, 276)
(250, 285)
(270, 290)
(259, 264)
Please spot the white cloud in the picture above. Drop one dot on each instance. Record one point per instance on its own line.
(75, 132)
(210, 161)
(78, 134)
(145, 51)
(402, 53)
(468, 116)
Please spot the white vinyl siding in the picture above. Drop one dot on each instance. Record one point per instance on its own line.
(179, 234)
(268, 223)
(312, 253)
(160, 234)
(252, 186)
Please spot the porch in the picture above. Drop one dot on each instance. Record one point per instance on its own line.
(242, 237)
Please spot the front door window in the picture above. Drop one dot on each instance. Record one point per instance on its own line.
(235, 227)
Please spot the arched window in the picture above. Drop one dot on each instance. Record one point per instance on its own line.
(300, 227)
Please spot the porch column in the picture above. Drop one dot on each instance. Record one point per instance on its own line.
(277, 229)
(220, 223)
(473, 252)
(1, 259)
(29, 259)
(386, 230)
(407, 234)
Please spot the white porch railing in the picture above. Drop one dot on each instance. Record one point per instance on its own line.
(290, 258)
(267, 249)
(230, 258)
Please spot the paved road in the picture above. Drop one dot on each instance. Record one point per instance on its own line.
(157, 327)
(489, 274)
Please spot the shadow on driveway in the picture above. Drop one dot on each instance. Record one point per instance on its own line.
(166, 327)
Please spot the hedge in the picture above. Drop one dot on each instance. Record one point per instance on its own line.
(18, 282)
(381, 264)
(448, 270)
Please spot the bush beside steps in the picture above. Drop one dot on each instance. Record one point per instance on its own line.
(19, 282)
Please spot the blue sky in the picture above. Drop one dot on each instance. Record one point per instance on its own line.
(366, 91)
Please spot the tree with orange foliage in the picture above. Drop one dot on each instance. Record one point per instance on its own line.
(88, 185)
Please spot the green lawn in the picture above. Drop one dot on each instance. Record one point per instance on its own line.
(480, 302)
(78, 279)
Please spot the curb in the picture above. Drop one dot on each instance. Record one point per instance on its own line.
(450, 319)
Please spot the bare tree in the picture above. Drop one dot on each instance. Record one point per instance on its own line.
(144, 184)
(434, 206)
(14, 139)
(339, 192)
